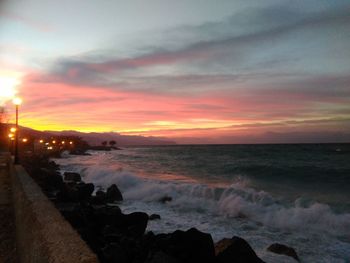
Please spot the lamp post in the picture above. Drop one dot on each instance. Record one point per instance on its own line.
(17, 102)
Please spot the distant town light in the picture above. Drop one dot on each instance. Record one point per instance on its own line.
(24, 140)
(10, 135)
(63, 142)
(53, 141)
(13, 130)
(71, 142)
(41, 141)
(47, 143)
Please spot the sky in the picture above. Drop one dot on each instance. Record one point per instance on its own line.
(195, 71)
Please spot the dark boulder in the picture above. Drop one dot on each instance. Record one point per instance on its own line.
(161, 257)
(154, 217)
(235, 250)
(72, 192)
(49, 180)
(85, 190)
(114, 252)
(67, 194)
(165, 199)
(186, 246)
(113, 194)
(284, 250)
(71, 176)
(108, 215)
(100, 197)
(136, 223)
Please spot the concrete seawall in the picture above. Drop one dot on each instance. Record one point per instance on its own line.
(42, 234)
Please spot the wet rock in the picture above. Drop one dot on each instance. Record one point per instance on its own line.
(284, 250)
(222, 245)
(99, 198)
(161, 257)
(71, 176)
(67, 194)
(108, 215)
(189, 246)
(136, 223)
(154, 217)
(85, 191)
(49, 180)
(235, 250)
(113, 194)
(73, 192)
(114, 253)
(165, 199)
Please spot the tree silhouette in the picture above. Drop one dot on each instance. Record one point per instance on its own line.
(104, 143)
(112, 143)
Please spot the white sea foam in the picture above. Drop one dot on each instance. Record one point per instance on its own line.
(235, 200)
(225, 210)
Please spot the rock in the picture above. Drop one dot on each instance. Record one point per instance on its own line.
(79, 152)
(284, 250)
(161, 257)
(73, 192)
(67, 194)
(189, 246)
(49, 180)
(99, 198)
(235, 250)
(136, 223)
(108, 215)
(154, 217)
(113, 194)
(222, 245)
(114, 253)
(71, 176)
(165, 199)
(85, 190)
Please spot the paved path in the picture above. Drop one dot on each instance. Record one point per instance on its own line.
(7, 223)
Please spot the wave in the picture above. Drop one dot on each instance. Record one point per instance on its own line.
(237, 200)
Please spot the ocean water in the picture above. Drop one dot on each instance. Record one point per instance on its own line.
(298, 195)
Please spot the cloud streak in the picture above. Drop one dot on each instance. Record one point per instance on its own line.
(263, 70)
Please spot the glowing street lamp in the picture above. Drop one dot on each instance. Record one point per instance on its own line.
(17, 102)
(13, 130)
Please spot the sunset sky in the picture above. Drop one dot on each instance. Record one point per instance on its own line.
(196, 71)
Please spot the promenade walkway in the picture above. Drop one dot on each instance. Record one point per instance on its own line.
(8, 252)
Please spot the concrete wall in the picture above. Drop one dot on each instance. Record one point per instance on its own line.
(43, 235)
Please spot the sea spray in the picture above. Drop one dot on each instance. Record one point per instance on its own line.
(231, 206)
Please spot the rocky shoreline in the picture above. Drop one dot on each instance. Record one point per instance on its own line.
(118, 237)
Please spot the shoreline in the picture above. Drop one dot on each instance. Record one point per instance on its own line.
(105, 227)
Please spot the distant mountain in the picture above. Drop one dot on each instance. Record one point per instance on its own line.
(95, 138)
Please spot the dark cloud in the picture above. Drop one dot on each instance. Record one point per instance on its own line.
(226, 56)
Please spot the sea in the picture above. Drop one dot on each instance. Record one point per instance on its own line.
(293, 194)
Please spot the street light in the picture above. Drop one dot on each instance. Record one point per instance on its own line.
(17, 102)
